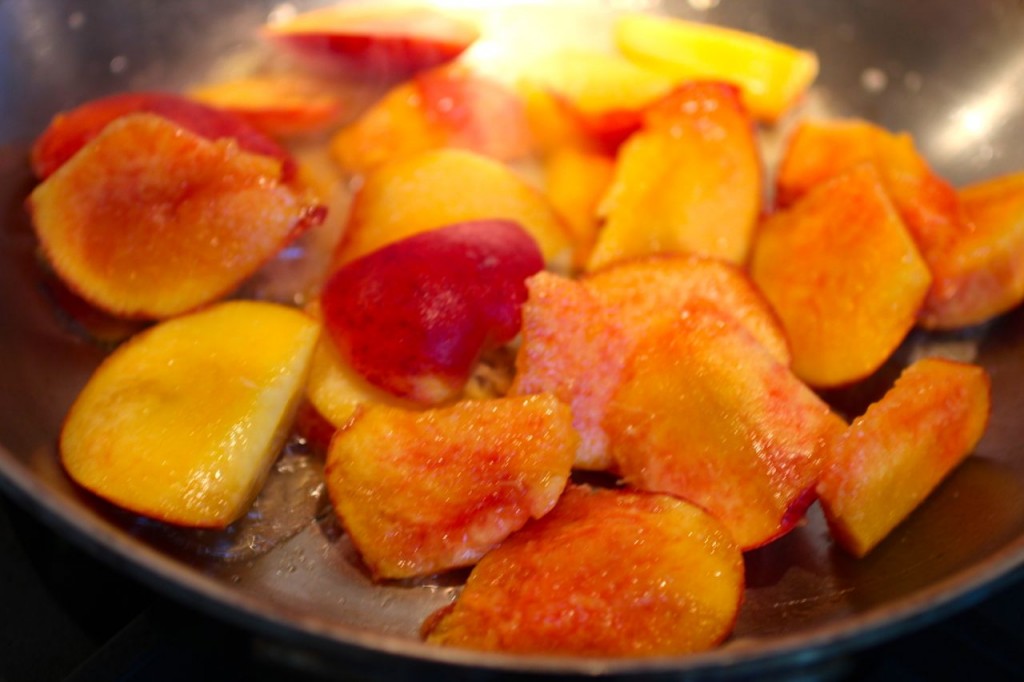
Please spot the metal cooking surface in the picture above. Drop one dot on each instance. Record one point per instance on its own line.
(951, 73)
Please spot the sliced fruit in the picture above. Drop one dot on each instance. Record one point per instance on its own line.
(376, 40)
(689, 182)
(860, 281)
(447, 107)
(571, 348)
(277, 105)
(437, 188)
(985, 273)
(576, 180)
(149, 220)
(771, 75)
(639, 290)
(182, 422)
(424, 492)
(607, 94)
(928, 205)
(607, 573)
(414, 316)
(70, 131)
(705, 413)
(553, 123)
(889, 460)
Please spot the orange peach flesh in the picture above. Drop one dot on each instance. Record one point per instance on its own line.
(423, 492)
(690, 181)
(859, 284)
(889, 460)
(705, 413)
(605, 573)
(276, 105)
(149, 220)
(182, 422)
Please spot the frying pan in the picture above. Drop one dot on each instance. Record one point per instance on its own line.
(950, 72)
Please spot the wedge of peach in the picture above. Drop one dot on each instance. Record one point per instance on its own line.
(771, 75)
(375, 41)
(437, 188)
(705, 413)
(573, 349)
(639, 290)
(984, 276)
(445, 107)
(148, 220)
(576, 180)
(414, 317)
(553, 122)
(690, 181)
(279, 106)
(606, 93)
(860, 283)
(888, 461)
(70, 131)
(183, 422)
(928, 205)
(609, 573)
(424, 492)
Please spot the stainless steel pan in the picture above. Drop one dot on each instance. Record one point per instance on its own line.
(950, 72)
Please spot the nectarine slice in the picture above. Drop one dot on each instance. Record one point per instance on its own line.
(689, 182)
(149, 220)
(71, 130)
(414, 316)
(928, 205)
(772, 75)
(888, 461)
(576, 180)
(437, 188)
(424, 492)
(705, 413)
(609, 573)
(572, 348)
(844, 275)
(183, 421)
(446, 107)
(277, 105)
(376, 40)
(605, 92)
(985, 272)
(638, 290)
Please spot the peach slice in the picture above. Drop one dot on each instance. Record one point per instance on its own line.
(375, 41)
(424, 492)
(148, 220)
(414, 316)
(183, 422)
(606, 93)
(447, 107)
(572, 348)
(277, 105)
(553, 123)
(690, 181)
(576, 180)
(72, 130)
(985, 276)
(772, 76)
(928, 205)
(705, 413)
(889, 460)
(437, 188)
(637, 291)
(608, 573)
(860, 281)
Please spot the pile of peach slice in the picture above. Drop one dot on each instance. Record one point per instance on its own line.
(669, 331)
